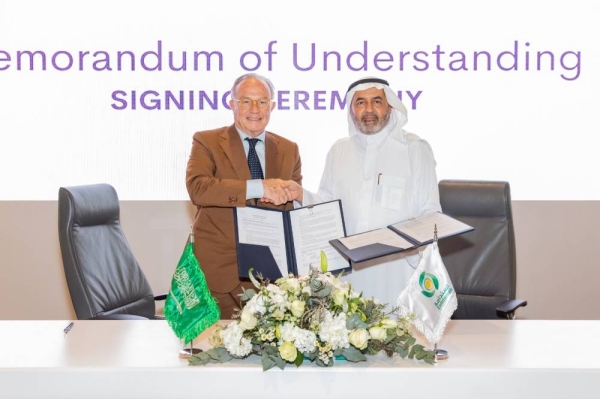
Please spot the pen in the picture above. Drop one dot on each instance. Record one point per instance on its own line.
(68, 328)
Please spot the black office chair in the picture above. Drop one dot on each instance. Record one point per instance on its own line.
(481, 263)
(103, 276)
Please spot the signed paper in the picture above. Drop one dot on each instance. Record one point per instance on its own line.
(313, 228)
(263, 227)
(381, 236)
(422, 229)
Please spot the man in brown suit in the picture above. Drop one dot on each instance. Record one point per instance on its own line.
(218, 178)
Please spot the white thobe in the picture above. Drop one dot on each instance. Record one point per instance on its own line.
(381, 179)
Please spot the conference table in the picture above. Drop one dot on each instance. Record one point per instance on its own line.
(140, 359)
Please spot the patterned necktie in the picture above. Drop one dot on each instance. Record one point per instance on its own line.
(253, 161)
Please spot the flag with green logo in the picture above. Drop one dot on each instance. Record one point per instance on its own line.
(189, 307)
(429, 295)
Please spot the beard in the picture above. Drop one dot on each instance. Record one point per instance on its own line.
(370, 127)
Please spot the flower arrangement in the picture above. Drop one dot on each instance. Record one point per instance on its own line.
(317, 317)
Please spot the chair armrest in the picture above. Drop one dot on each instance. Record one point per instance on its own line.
(506, 309)
(161, 297)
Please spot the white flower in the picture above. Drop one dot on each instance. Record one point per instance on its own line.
(359, 337)
(247, 320)
(334, 331)
(277, 297)
(290, 284)
(234, 342)
(339, 296)
(341, 285)
(297, 308)
(389, 323)
(286, 331)
(278, 314)
(275, 289)
(379, 333)
(325, 278)
(288, 351)
(304, 340)
(256, 305)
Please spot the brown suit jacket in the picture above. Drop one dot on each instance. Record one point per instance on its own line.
(216, 182)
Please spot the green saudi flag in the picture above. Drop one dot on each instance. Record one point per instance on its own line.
(189, 307)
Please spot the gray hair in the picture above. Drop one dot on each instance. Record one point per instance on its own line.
(266, 81)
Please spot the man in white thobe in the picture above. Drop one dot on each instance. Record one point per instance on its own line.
(383, 175)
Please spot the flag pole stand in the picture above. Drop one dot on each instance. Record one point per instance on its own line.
(440, 354)
(189, 352)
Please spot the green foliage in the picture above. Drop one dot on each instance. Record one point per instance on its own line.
(268, 362)
(247, 294)
(355, 321)
(352, 354)
(217, 354)
(299, 359)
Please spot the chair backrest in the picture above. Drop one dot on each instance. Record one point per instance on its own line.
(481, 263)
(102, 273)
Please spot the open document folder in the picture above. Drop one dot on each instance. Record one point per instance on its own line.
(399, 236)
(274, 242)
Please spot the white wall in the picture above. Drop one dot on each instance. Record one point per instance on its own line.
(527, 117)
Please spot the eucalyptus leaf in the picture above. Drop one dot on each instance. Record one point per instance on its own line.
(355, 321)
(403, 352)
(267, 361)
(312, 355)
(280, 362)
(372, 349)
(415, 350)
(352, 354)
(199, 359)
(419, 347)
(430, 358)
(391, 336)
(247, 294)
(320, 363)
(270, 350)
(220, 354)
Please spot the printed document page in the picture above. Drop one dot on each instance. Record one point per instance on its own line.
(263, 227)
(381, 236)
(422, 228)
(312, 229)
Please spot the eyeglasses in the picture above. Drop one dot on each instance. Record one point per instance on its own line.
(246, 103)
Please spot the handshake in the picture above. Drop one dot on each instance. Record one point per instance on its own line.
(277, 191)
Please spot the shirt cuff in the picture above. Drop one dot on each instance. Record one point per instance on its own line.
(254, 189)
